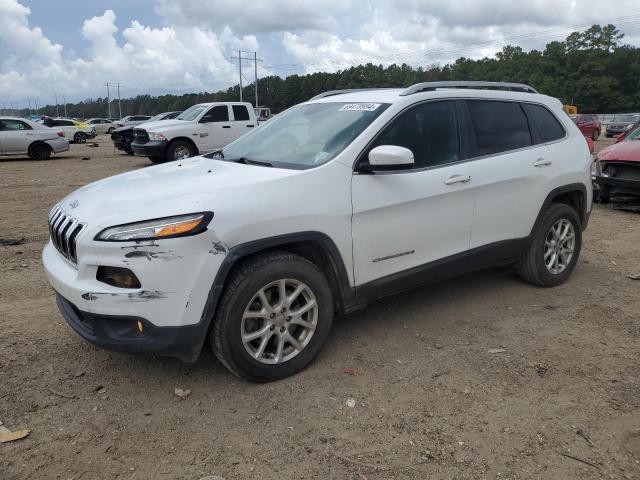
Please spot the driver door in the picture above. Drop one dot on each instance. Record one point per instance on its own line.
(413, 225)
(214, 129)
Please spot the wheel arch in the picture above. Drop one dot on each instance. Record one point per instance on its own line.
(574, 195)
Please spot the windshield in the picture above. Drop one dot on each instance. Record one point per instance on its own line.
(627, 118)
(306, 136)
(634, 135)
(191, 113)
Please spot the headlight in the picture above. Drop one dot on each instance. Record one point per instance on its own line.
(169, 227)
(629, 127)
(156, 136)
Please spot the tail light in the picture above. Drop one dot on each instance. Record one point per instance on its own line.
(61, 134)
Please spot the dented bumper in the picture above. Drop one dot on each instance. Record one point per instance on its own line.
(175, 276)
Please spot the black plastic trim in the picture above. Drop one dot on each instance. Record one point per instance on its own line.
(572, 187)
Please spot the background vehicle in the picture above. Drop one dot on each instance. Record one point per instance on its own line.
(132, 120)
(123, 136)
(201, 128)
(618, 168)
(26, 137)
(102, 125)
(332, 204)
(623, 123)
(74, 131)
(588, 125)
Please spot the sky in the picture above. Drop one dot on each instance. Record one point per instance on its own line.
(74, 47)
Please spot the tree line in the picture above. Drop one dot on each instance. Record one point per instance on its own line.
(592, 69)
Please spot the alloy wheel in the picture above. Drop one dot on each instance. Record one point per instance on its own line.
(279, 321)
(559, 246)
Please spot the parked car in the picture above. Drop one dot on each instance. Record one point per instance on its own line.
(102, 125)
(19, 136)
(588, 125)
(132, 120)
(618, 168)
(201, 128)
(74, 131)
(623, 123)
(334, 203)
(123, 136)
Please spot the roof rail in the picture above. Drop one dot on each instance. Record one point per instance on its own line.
(331, 93)
(430, 86)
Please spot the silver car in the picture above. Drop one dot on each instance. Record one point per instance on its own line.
(19, 136)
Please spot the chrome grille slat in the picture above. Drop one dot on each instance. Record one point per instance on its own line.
(64, 231)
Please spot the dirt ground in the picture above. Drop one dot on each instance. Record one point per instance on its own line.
(559, 400)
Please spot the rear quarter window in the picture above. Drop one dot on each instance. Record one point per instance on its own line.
(545, 123)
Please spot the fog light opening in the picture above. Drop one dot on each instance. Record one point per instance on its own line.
(117, 277)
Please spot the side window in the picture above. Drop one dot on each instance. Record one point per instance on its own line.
(547, 125)
(498, 126)
(13, 125)
(240, 113)
(429, 130)
(216, 114)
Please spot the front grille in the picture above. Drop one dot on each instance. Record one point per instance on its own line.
(64, 230)
(140, 135)
(624, 171)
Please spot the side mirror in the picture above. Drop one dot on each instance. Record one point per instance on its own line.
(390, 157)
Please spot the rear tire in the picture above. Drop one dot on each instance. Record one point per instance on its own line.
(596, 135)
(157, 160)
(551, 257)
(40, 151)
(180, 150)
(271, 317)
(80, 137)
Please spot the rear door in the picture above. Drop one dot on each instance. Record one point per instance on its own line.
(242, 122)
(214, 129)
(15, 136)
(513, 170)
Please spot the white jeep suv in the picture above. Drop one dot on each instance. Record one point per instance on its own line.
(336, 202)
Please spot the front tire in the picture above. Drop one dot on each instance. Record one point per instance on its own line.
(110, 130)
(80, 137)
(180, 150)
(274, 317)
(555, 247)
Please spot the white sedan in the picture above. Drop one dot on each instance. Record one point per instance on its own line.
(74, 131)
(102, 125)
(19, 136)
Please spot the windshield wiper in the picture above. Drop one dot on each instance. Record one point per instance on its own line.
(248, 161)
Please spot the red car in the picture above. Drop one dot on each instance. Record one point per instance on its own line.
(618, 168)
(588, 125)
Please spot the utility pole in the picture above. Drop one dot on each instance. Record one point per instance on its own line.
(64, 99)
(109, 100)
(57, 111)
(255, 60)
(119, 105)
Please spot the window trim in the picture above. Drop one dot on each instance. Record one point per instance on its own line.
(462, 147)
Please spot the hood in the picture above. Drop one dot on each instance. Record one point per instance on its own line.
(128, 128)
(160, 124)
(174, 188)
(628, 151)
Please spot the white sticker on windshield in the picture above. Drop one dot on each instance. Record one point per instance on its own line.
(359, 107)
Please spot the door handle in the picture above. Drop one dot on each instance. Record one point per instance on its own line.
(457, 179)
(542, 162)
(226, 126)
(249, 126)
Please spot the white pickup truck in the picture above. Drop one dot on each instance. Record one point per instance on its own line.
(200, 129)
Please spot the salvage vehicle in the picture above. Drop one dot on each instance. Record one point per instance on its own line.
(123, 136)
(102, 125)
(74, 131)
(617, 170)
(199, 129)
(132, 120)
(19, 136)
(330, 205)
(588, 125)
(623, 123)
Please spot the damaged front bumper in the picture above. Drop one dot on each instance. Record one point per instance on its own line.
(618, 178)
(175, 276)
